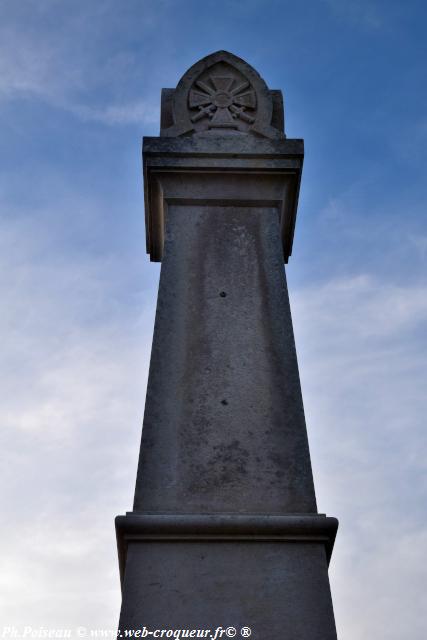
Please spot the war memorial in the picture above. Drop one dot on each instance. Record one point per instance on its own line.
(224, 530)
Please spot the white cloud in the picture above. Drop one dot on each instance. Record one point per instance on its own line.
(359, 12)
(364, 308)
(73, 369)
(363, 366)
(35, 65)
(48, 65)
(132, 113)
(420, 243)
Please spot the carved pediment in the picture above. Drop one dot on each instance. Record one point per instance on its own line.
(222, 94)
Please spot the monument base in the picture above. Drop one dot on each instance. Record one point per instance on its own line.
(268, 573)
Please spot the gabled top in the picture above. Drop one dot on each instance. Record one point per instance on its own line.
(222, 94)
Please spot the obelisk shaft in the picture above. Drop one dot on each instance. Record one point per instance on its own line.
(224, 426)
(224, 531)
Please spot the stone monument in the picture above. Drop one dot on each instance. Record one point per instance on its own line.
(224, 531)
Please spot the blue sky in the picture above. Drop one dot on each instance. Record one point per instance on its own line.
(79, 86)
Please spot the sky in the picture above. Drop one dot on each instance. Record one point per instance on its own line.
(80, 85)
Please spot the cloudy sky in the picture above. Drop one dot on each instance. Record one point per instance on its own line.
(80, 85)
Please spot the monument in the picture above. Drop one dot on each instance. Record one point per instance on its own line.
(224, 532)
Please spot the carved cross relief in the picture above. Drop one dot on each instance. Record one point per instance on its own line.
(222, 94)
(222, 101)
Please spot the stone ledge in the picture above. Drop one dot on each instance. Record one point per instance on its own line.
(239, 145)
(300, 528)
(235, 171)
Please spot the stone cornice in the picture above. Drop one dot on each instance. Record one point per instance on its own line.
(228, 170)
(230, 527)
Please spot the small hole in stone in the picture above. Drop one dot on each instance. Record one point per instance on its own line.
(222, 294)
(224, 402)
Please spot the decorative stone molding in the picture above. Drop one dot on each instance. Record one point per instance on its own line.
(223, 102)
(224, 528)
(308, 528)
(239, 170)
(222, 94)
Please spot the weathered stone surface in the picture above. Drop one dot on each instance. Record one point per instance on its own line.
(224, 423)
(316, 528)
(278, 590)
(222, 92)
(238, 170)
(224, 529)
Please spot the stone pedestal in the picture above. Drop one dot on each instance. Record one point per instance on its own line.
(224, 529)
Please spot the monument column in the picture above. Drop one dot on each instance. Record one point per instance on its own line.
(224, 530)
